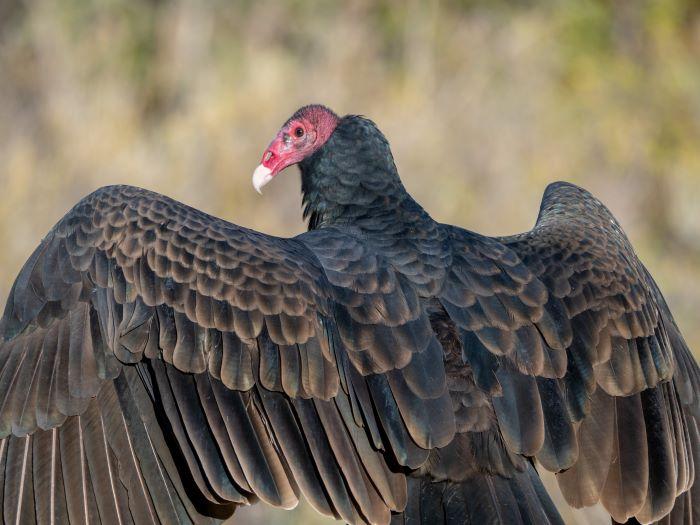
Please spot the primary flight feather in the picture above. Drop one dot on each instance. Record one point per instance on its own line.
(160, 365)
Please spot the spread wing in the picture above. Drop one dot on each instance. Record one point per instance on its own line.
(568, 335)
(158, 364)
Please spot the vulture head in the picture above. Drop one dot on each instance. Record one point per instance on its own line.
(347, 169)
(301, 136)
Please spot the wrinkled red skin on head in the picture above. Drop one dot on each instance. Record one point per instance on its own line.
(303, 134)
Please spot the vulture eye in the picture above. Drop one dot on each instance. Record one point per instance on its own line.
(299, 132)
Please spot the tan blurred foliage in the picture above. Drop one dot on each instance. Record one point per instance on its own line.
(484, 104)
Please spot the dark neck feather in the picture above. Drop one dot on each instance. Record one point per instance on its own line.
(352, 179)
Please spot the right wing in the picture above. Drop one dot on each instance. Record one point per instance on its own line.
(158, 364)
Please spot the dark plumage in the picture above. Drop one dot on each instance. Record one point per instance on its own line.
(158, 364)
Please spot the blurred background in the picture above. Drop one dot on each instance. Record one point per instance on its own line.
(484, 103)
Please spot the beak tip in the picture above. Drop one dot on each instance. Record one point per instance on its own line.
(261, 176)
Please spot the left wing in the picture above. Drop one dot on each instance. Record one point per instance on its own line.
(565, 331)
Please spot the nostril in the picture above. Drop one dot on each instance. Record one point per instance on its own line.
(268, 156)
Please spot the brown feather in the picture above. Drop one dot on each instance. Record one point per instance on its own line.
(626, 485)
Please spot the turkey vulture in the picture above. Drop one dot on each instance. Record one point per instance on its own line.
(158, 364)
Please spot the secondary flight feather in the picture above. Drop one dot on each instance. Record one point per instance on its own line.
(160, 365)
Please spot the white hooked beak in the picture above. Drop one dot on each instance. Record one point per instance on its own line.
(261, 176)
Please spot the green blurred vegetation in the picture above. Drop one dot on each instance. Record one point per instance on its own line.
(484, 104)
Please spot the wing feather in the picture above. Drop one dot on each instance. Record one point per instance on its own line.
(19, 493)
(48, 478)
